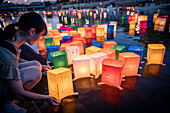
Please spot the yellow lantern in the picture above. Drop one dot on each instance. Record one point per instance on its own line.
(132, 32)
(162, 24)
(81, 30)
(132, 25)
(100, 31)
(144, 18)
(92, 50)
(131, 63)
(155, 53)
(96, 63)
(156, 27)
(71, 52)
(60, 82)
(108, 44)
(56, 39)
(81, 66)
(49, 27)
(105, 27)
(100, 39)
(90, 13)
(154, 17)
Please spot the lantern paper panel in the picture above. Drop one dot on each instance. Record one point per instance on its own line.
(154, 17)
(111, 72)
(157, 21)
(119, 49)
(105, 27)
(51, 49)
(92, 50)
(71, 32)
(81, 66)
(80, 45)
(110, 53)
(100, 31)
(88, 32)
(132, 32)
(109, 44)
(132, 25)
(64, 45)
(55, 32)
(96, 63)
(144, 18)
(81, 31)
(152, 70)
(60, 82)
(115, 25)
(155, 53)
(41, 44)
(59, 59)
(56, 39)
(161, 28)
(71, 52)
(162, 24)
(131, 63)
(100, 39)
(76, 37)
(156, 27)
(48, 41)
(110, 28)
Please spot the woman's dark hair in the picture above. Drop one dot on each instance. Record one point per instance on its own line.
(26, 21)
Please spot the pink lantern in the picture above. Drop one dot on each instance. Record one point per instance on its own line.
(143, 24)
(111, 72)
(142, 31)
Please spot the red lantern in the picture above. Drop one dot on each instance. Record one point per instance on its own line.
(111, 72)
(42, 48)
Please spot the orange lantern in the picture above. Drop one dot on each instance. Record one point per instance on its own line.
(55, 32)
(111, 72)
(49, 27)
(56, 39)
(154, 17)
(64, 45)
(108, 44)
(80, 45)
(60, 82)
(88, 32)
(132, 32)
(131, 63)
(157, 22)
(92, 50)
(42, 47)
(76, 37)
(100, 31)
(81, 66)
(110, 53)
(155, 53)
(162, 24)
(71, 32)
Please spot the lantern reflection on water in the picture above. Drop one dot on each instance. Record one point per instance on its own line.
(131, 63)
(131, 32)
(111, 72)
(155, 53)
(59, 59)
(152, 70)
(71, 52)
(81, 66)
(92, 50)
(96, 63)
(129, 83)
(60, 83)
(119, 49)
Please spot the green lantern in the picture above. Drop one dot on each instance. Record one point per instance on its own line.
(59, 59)
(123, 18)
(119, 49)
(75, 27)
(48, 41)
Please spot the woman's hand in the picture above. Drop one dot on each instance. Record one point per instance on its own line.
(53, 102)
(46, 67)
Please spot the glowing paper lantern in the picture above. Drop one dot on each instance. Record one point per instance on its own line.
(155, 53)
(132, 25)
(56, 39)
(105, 27)
(152, 70)
(144, 18)
(60, 83)
(157, 22)
(80, 45)
(96, 63)
(109, 44)
(49, 27)
(131, 63)
(100, 31)
(76, 37)
(115, 25)
(51, 49)
(81, 66)
(81, 31)
(88, 32)
(67, 39)
(139, 19)
(162, 24)
(55, 32)
(132, 32)
(119, 49)
(143, 24)
(138, 50)
(142, 31)
(71, 52)
(92, 50)
(111, 72)
(71, 32)
(94, 31)
(154, 17)
(42, 47)
(59, 59)
(110, 53)
(48, 41)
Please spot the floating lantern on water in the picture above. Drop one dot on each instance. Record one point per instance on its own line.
(155, 53)
(81, 66)
(51, 49)
(157, 22)
(131, 63)
(88, 32)
(162, 24)
(154, 17)
(60, 83)
(108, 44)
(80, 45)
(48, 41)
(152, 70)
(143, 24)
(111, 72)
(137, 50)
(71, 52)
(100, 34)
(92, 50)
(94, 31)
(115, 25)
(110, 53)
(96, 63)
(144, 18)
(61, 30)
(119, 49)
(59, 59)
(76, 37)
(105, 27)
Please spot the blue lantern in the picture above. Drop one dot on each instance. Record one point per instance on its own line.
(51, 49)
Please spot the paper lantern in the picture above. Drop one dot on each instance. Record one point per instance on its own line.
(76, 37)
(137, 50)
(48, 41)
(59, 25)
(142, 31)
(105, 27)
(81, 31)
(110, 28)
(97, 44)
(55, 32)
(59, 59)
(80, 45)
(56, 39)
(109, 44)
(71, 32)
(111, 95)
(132, 25)
(42, 47)
(111, 72)
(100, 31)
(100, 39)
(65, 33)
(119, 49)
(67, 39)
(88, 32)
(132, 32)
(110, 53)
(60, 83)
(92, 50)
(94, 31)
(157, 21)
(154, 17)
(96, 63)
(131, 63)
(139, 19)
(129, 83)
(115, 25)
(162, 24)
(61, 30)
(143, 24)
(71, 52)
(51, 49)
(144, 18)
(49, 27)
(155, 53)
(69, 29)
(81, 66)
(152, 70)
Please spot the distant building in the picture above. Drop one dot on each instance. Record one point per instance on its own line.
(125, 2)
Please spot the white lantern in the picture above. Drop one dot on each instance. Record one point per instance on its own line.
(71, 52)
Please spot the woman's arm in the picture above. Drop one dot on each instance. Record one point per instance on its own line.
(18, 90)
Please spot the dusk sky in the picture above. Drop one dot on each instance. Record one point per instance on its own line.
(28, 1)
